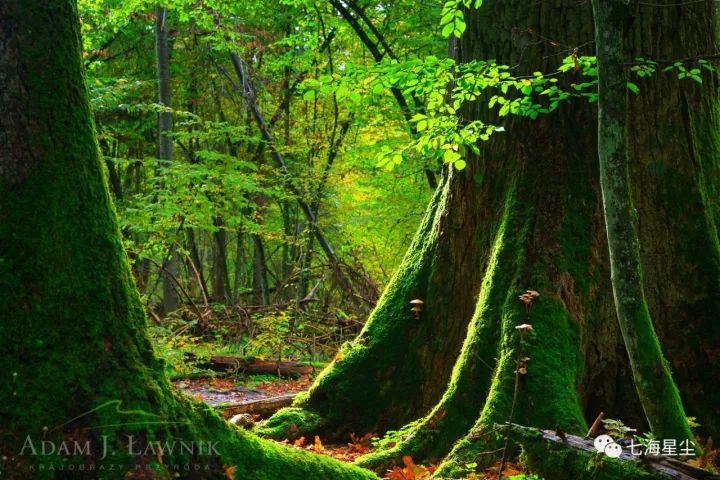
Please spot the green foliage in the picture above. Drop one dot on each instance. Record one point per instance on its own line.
(616, 428)
(222, 182)
(274, 332)
(452, 20)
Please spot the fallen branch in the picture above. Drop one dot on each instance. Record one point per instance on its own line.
(263, 408)
(560, 455)
(259, 367)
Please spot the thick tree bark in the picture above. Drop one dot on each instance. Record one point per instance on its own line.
(72, 329)
(527, 214)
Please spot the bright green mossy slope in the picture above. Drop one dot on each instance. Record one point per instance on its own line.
(547, 394)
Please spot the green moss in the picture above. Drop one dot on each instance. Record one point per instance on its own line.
(434, 435)
(290, 423)
(547, 394)
(558, 462)
(688, 299)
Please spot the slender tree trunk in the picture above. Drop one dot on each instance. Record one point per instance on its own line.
(377, 55)
(261, 295)
(305, 264)
(239, 265)
(221, 278)
(197, 261)
(72, 329)
(658, 394)
(171, 299)
(113, 174)
(249, 96)
(527, 214)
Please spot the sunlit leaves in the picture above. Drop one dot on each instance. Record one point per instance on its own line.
(445, 87)
(452, 20)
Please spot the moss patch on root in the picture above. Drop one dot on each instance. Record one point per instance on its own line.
(290, 423)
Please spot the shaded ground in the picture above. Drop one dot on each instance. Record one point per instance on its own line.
(219, 391)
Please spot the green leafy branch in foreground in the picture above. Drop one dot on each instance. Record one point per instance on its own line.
(445, 86)
(452, 20)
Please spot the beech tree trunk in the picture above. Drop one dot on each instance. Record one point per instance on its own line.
(527, 214)
(79, 366)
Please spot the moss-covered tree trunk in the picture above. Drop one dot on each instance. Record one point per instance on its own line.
(77, 365)
(527, 214)
(657, 391)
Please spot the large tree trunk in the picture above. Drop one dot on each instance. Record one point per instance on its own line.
(527, 214)
(78, 364)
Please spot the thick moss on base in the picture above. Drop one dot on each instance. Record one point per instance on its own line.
(578, 365)
(546, 394)
(187, 438)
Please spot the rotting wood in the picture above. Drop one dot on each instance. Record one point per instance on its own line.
(662, 465)
(259, 367)
(263, 408)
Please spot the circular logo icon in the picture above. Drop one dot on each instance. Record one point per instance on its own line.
(603, 441)
(613, 450)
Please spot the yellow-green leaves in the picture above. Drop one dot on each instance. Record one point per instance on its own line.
(453, 18)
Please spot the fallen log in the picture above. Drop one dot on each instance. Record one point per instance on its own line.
(255, 366)
(263, 408)
(558, 455)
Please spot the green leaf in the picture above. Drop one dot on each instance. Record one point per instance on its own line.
(450, 156)
(460, 164)
(342, 92)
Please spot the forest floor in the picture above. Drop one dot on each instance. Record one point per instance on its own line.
(224, 390)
